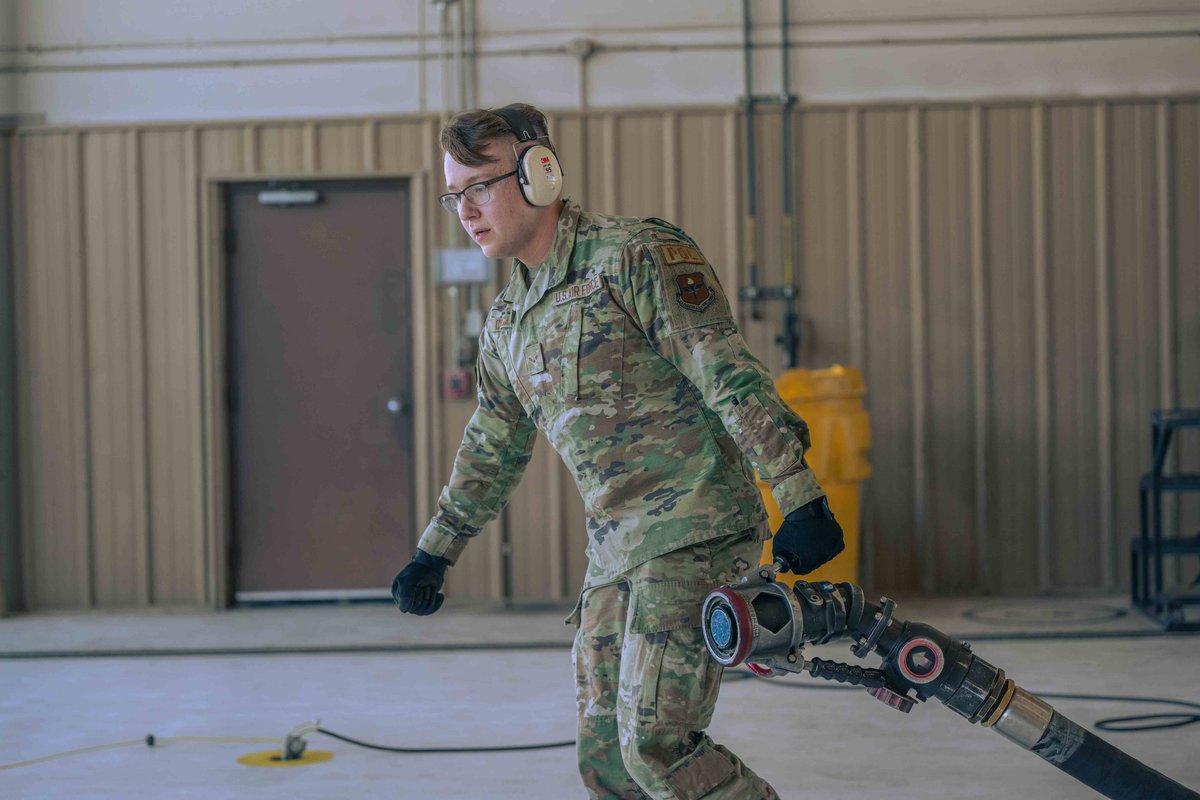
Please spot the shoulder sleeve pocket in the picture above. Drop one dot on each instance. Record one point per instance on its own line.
(691, 295)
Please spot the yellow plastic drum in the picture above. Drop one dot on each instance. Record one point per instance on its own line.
(831, 402)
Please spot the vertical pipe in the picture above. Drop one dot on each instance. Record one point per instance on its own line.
(979, 362)
(1104, 399)
(916, 296)
(424, 321)
(460, 55)
(733, 204)
(8, 370)
(422, 70)
(80, 369)
(1168, 389)
(854, 235)
(1041, 347)
(195, 434)
(445, 45)
(791, 336)
(584, 153)
(855, 286)
(751, 234)
(138, 416)
(472, 65)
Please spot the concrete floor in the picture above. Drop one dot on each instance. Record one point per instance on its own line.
(361, 670)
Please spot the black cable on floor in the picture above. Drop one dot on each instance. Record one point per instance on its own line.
(1111, 724)
(506, 748)
(1125, 724)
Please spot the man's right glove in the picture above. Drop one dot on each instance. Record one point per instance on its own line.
(808, 538)
(415, 589)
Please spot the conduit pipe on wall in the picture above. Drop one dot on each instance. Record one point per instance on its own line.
(789, 339)
(583, 49)
(523, 52)
(750, 292)
(191, 44)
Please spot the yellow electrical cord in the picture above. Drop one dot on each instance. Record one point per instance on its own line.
(149, 741)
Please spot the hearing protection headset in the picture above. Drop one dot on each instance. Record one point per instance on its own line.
(538, 169)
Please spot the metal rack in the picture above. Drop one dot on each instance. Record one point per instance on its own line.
(1150, 549)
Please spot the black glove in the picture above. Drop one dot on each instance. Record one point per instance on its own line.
(808, 537)
(415, 589)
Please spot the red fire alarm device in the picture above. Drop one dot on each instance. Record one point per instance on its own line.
(457, 384)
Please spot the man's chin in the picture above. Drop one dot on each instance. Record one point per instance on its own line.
(493, 250)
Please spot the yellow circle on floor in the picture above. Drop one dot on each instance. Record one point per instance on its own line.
(274, 758)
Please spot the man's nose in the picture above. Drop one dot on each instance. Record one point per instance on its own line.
(467, 210)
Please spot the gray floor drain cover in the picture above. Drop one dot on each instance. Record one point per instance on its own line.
(1050, 613)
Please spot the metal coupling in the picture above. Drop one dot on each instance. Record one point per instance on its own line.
(1025, 720)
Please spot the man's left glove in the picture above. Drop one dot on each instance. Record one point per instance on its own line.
(415, 589)
(808, 538)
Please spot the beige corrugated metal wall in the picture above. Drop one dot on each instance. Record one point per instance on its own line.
(1018, 280)
(10, 574)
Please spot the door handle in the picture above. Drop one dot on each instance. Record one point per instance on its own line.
(398, 407)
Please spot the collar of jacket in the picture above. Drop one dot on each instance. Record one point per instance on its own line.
(544, 277)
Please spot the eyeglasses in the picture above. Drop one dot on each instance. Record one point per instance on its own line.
(478, 193)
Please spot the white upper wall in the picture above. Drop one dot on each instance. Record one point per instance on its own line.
(95, 61)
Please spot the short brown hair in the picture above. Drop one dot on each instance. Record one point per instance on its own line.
(465, 136)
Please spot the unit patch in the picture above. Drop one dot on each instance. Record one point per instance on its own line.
(694, 294)
(578, 290)
(680, 254)
(502, 319)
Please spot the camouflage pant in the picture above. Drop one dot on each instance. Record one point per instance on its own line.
(646, 686)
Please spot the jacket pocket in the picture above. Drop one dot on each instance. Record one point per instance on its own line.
(599, 352)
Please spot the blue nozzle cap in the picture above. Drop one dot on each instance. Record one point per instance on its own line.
(720, 626)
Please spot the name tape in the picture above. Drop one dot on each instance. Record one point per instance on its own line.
(577, 291)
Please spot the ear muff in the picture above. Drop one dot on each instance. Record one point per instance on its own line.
(538, 169)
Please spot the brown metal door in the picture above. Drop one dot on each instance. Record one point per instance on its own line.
(320, 390)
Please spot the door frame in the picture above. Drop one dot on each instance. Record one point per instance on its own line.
(217, 574)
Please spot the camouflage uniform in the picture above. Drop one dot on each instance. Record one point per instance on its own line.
(621, 348)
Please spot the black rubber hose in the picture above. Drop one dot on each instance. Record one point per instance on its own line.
(1112, 772)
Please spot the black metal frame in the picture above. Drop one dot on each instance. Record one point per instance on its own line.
(1149, 549)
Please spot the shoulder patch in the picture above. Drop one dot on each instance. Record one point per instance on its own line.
(694, 294)
(680, 254)
(689, 295)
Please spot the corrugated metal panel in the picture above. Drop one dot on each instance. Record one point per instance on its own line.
(950, 445)
(888, 364)
(55, 522)
(10, 554)
(115, 342)
(173, 366)
(279, 149)
(340, 146)
(1136, 365)
(822, 227)
(1185, 173)
(223, 151)
(1076, 481)
(1014, 279)
(1011, 554)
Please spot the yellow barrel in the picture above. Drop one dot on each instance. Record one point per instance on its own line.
(831, 402)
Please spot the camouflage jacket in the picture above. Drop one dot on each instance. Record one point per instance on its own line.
(621, 348)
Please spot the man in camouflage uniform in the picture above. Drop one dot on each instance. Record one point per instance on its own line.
(615, 340)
